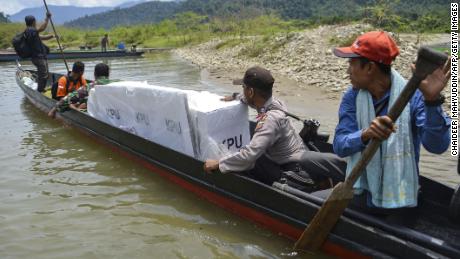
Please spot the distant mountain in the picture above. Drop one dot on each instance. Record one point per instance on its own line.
(61, 14)
(331, 11)
(130, 4)
(144, 13)
(155, 11)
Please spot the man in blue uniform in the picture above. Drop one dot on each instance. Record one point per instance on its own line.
(391, 178)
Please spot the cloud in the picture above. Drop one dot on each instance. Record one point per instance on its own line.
(14, 6)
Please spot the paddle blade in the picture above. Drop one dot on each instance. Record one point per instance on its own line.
(320, 226)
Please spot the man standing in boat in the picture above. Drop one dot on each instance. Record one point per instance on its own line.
(391, 177)
(104, 43)
(39, 50)
(275, 146)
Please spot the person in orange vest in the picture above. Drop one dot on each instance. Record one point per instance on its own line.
(68, 84)
(76, 80)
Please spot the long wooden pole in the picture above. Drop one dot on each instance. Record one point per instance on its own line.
(57, 38)
(325, 219)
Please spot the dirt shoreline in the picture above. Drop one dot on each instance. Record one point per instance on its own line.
(303, 64)
(303, 100)
(313, 102)
(311, 84)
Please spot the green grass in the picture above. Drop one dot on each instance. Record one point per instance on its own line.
(178, 32)
(169, 33)
(254, 49)
(230, 43)
(442, 49)
(343, 41)
(7, 32)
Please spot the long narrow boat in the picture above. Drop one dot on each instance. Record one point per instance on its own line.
(12, 56)
(356, 235)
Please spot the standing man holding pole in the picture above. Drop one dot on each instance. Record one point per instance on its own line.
(383, 114)
(39, 50)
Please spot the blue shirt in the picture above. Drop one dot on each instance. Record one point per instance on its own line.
(430, 125)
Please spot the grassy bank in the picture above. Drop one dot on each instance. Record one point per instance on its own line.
(190, 28)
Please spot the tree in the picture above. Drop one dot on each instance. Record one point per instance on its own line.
(188, 22)
(3, 18)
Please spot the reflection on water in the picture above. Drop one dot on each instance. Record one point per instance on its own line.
(64, 195)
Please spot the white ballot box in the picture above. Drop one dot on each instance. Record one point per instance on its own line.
(156, 113)
(194, 123)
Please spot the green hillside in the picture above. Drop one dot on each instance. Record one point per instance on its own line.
(384, 12)
(145, 13)
(171, 26)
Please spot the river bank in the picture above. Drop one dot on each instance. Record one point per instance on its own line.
(304, 57)
(311, 80)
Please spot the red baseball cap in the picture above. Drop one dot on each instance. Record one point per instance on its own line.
(377, 46)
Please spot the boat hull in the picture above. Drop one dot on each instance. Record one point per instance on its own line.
(283, 213)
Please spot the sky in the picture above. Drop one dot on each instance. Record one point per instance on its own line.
(14, 6)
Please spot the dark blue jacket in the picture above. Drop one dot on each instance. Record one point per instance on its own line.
(39, 49)
(430, 125)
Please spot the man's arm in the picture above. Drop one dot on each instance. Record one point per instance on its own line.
(45, 23)
(347, 138)
(264, 136)
(47, 37)
(432, 123)
(235, 96)
(433, 126)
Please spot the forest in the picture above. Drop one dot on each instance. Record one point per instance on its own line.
(175, 24)
(429, 14)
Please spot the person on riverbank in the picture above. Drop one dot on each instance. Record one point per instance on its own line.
(104, 43)
(391, 177)
(39, 50)
(275, 146)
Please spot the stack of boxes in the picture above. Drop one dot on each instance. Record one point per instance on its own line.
(197, 124)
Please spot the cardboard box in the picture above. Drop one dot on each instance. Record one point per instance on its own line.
(197, 124)
(220, 127)
(156, 113)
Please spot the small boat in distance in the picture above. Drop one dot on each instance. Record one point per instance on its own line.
(428, 232)
(8, 56)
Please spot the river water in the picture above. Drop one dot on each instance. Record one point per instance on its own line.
(64, 196)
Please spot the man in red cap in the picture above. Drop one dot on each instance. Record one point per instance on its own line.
(391, 178)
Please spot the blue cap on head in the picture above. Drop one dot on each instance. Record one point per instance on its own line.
(30, 19)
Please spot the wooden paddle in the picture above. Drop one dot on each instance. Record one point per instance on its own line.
(325, 219)
(57, 38)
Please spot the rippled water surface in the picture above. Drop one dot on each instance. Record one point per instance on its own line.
(63, 195)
